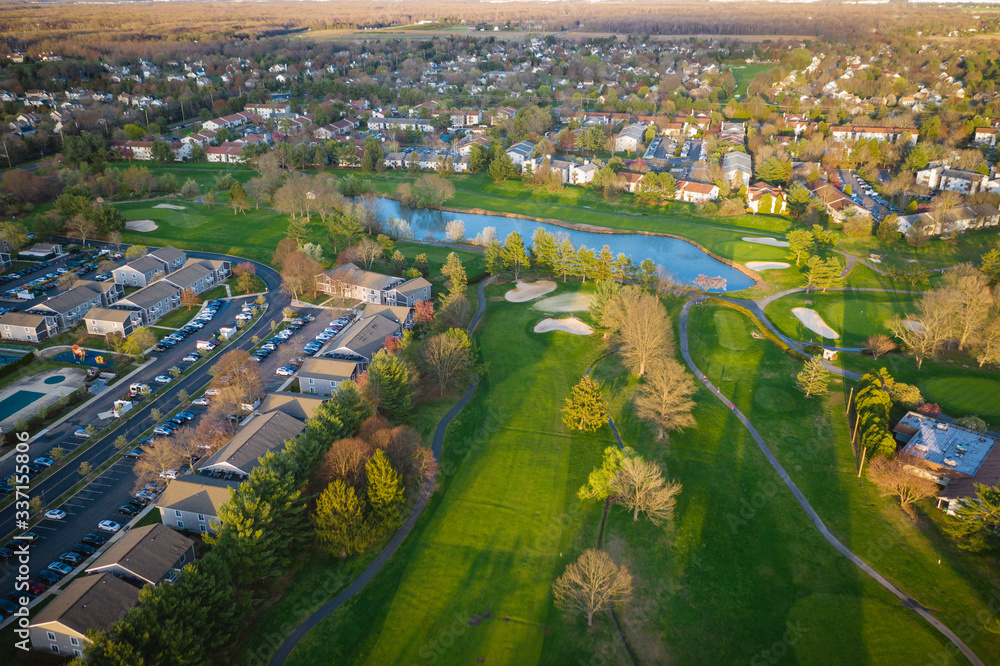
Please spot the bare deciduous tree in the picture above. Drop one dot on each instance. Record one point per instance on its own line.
(81, 226)
(448, 358)
(879, 345)
(640, 322)
(367, 251)
(592, 584)
(893, 480)
(972, 299)
(165, 453)
(640, 486)
(298, 274)
(665, 398)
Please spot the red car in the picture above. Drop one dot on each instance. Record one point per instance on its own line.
(36, 588)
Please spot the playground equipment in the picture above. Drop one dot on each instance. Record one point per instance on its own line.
(79, 354)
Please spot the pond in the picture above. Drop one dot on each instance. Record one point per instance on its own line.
(684, 260)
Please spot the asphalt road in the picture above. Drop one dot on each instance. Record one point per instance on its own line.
(102, 498)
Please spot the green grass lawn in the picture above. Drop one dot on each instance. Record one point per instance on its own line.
(814, 447)
(938, 253)
(854, 315)
(969, 395)
(502, 528)
(177, 318)
(744, 74)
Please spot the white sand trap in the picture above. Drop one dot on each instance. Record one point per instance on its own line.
(914, 326)
(766, 265)
(814, 322)
(140, 225)
(568, 325)
(565, 303)
(170, 206)
(773, 242)
(528, 291)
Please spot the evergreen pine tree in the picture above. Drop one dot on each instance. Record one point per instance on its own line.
(340, 521)
(813, 379)
(586, 408)
(385, 490)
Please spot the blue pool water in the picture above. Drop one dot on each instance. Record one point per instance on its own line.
(682, 259)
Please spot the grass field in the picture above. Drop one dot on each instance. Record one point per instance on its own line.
(855, 316)
(471, 584)
(966, 395)
(744, 74)
(814, 448)
(501, 530)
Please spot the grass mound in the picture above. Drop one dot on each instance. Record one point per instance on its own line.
(773, 399)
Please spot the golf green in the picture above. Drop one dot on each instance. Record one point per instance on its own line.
(969, 395)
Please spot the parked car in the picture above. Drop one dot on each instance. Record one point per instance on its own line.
(128, 510)
(162, 379)
(50, 577)
(81, 433)
(6, 554)
(190, 358)
(60, 568)
(134, 454)
(7, 608)
(186, 416)
(71, 558)
(169, 474)
(285, 371)
(95, 540)
(44, 461)
(55, 514)
(108, 526)
(200, 402)
(84, 549)
(30, 537)
(36, 588)
(213, 391)
(145, 495)
(139, 502)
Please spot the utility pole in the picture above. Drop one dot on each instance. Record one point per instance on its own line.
(9, 165)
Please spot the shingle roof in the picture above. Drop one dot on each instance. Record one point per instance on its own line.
(327, 368)
(145, 265)
(296, 405)
(167, 254)
(196, 494)
(73, 298)
(22, 319)
(351, 274)
(147, 552)
(365, 337)
(264, 434)
(151, 295)
(394, 313)
(108, 314)
(91, 602)
(187, 276)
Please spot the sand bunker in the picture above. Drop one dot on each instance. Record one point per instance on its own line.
(568, 325)
(140, 225)
(766, 265)
(528, 291)
(773, 242)
(170, 206)
(565, 303)
(814, 322)
(914, 326)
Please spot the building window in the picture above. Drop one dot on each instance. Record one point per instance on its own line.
(73, 640)
(55, 648)
(204, 529)
(180, 524)
(312, 380)
(201, 517)
(77, 653)
(50, 635)
(178, 513)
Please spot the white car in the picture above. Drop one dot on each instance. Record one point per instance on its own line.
(162, 379)
(200, 402)
(169, 474)
(55, 514)
(108, 526)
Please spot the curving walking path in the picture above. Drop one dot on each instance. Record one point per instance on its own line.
(906, 600)
(286, 647)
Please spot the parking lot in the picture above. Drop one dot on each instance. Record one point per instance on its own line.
(865, 195)
(36, 282)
